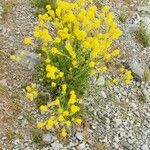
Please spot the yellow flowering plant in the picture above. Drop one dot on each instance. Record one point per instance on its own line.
(79, 47)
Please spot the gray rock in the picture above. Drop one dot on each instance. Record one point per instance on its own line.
(137, 69)
(103, 94)
(56, 145)
(4, 138)
(82, 146)
(116, 139)
(3, 82)
(70, 145)
(45, 148)
(147, 94)
(48, 138)
(20, 117)
(117, 122)
(144, 8)
(146, 23)
(29, 59)
(28, 148)
(145, 147)
(131, 28)
(79, 136)
(127, 146)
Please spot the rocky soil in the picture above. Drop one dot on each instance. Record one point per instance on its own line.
(118, 117)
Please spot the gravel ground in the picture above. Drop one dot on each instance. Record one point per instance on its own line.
(118, 117)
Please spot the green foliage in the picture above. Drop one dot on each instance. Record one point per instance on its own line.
(75, 78)
(122, 18)
(142, 97)
(41, 5)
(7, 8)
(143, 36)
(37, 137)
(41, 100)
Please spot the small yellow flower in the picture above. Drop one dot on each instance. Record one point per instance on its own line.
(48, 7)
(35, 94)
(64, 88)
(74, 109)
(22, 54)
(107, 56)
(54, 50)
(68, 123)
(55, 122)
(30, 96)
(80, 101)
(92, 64)
(40, 124)
(28, 88)
(128, 81)
(103, 69)
(105, 9)
(75, 63)
(57, 102)
(28, 41)
(122, 69)
(61, 74)
(53, 84)
(57, 40)
(61, 118)
(33, 86)
(60, 110)
(78, 120)
(65, 113)
(115, 52)
(93, 71)
(44, 108)
(115, 81)
(63, 133)
(13, 57)
(47, 60)
(49, 126)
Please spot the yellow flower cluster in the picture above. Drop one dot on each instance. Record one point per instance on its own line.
(28, 41)
(64, 117)
(76, 24)
(17, 58)
(128, 77)
(82, 41)
(53, 72)
(31, 92)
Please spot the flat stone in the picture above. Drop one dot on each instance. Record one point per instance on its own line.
(144, 8)
(118, 122)
(20, 117)
(48, 138)
(79, 136)
(3, 82)
(145, 147)
(103, 94)
(82, 146)
(56, 145)
(29, 59)
(4, 138)
(137, 69)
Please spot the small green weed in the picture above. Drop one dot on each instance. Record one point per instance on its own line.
(122, 18)
(7, 8)
(41, 100)
(41, 5)
(142, 97)
(37, 137)
(143, 36)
